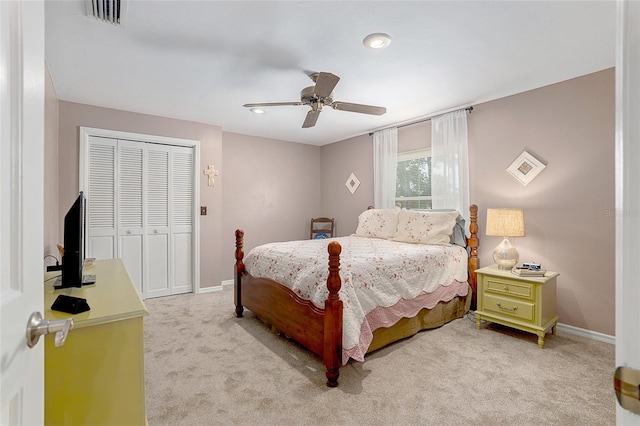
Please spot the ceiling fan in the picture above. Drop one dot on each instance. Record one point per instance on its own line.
(321, 95)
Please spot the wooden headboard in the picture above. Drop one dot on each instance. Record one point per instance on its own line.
(472, 245)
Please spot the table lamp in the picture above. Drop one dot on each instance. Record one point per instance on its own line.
(505, 223)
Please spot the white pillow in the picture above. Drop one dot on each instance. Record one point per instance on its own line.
(378, 223)
(425, 227)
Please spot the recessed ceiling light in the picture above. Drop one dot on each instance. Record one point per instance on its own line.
(377, 41)
(257, 110)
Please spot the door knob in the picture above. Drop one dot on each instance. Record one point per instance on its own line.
(38, 326)
(626, 383)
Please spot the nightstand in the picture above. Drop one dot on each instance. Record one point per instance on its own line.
(525, 303)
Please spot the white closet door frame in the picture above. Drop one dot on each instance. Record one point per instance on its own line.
(87, 132)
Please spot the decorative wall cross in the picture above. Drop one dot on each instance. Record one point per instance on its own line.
(211, 172)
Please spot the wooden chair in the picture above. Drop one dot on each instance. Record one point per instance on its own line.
(321, 227)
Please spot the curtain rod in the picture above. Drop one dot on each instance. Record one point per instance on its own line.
(468, 109)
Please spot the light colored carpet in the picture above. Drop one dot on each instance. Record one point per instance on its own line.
(204, 366)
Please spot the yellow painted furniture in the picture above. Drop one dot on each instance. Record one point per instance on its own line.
(97, 376)
(525, 303)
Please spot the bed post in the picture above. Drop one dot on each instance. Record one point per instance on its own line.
(238, 270)
(333, 318)
(472, 243)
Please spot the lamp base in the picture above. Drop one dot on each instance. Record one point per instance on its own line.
(505, 255)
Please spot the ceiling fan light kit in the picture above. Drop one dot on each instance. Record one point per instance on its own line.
(319, 95)
(377, 41)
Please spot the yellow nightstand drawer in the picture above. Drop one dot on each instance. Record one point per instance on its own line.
(508, 307)
(510, 288)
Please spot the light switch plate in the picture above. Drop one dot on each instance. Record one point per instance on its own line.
(203, 210)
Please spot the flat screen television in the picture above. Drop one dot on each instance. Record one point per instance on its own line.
(74, 244)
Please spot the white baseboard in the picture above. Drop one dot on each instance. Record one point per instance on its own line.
(213, 288)
(606, 338)
(587, 333)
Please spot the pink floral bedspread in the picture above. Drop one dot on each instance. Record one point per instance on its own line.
(382, 281)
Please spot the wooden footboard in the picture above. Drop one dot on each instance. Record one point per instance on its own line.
(319, 330)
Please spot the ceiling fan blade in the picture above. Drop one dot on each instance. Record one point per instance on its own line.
(363, 109)
(312, 117)
(265, 104)
(325, 83)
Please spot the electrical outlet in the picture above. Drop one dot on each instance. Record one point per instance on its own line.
(203, 210)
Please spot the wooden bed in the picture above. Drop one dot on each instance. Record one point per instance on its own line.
(320, 329)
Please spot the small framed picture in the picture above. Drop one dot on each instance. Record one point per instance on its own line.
(525, 168)
(352, 183)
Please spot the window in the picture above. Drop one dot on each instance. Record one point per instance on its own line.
(413, 179)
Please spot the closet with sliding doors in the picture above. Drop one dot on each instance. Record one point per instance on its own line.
(142, 193)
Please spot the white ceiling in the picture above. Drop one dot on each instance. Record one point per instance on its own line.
(202, 60)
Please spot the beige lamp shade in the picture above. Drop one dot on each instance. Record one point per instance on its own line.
(505, 222)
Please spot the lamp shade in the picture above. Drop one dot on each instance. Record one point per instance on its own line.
(505, 222)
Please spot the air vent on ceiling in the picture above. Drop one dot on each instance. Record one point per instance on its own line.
(111, 11)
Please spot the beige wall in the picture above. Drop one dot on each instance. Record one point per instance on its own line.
(72, 116)
(570, 127)
(52, 221)
(415, 136)
(339, 160)
(271, 191)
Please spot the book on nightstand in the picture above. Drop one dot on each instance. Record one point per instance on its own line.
(522, 271)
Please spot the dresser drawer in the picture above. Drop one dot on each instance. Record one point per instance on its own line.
(509, 288)
(509, 307)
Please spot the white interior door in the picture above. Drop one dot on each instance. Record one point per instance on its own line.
(157, 211)
(628, 202)
(21, 212)
(142, 197)
(101, 197)
(131, 208)
(182, 215)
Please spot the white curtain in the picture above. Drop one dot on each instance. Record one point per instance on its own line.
(385, 159)
(450, 162)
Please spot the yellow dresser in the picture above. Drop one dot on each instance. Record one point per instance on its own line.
(525, 303)
(97, 376)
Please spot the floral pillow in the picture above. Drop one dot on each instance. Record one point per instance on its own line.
(378, 223)
(425, 227)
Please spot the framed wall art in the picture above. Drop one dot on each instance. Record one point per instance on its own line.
(352, 183)
(525, 168)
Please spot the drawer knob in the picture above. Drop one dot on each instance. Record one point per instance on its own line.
(506, 288)
(515, 308)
